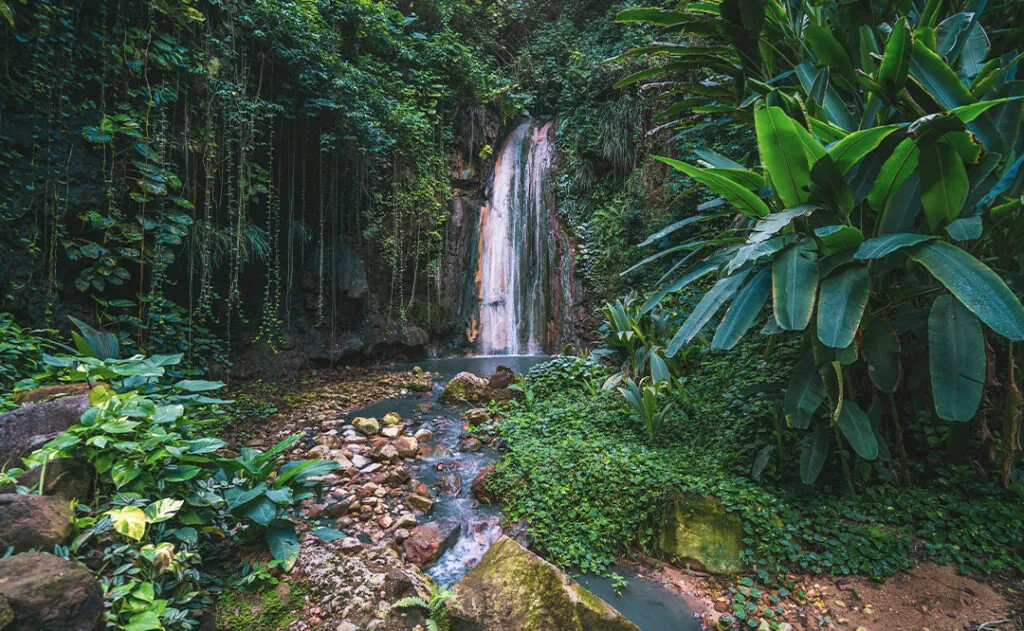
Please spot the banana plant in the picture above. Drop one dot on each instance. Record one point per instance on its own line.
(889, 173)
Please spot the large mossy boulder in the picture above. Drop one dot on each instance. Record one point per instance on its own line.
(512, 589)
(26, 429)
(34, 522)
(699, 531)
(464, 387)
(47, 593)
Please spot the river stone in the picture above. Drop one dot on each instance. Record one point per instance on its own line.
(423, 434)
(471, 445)
(464, 387)
(28, 428)
(407, 446)
(34, 521)
(512, 589)
(47, 593)
(698, 530)
(478, 488)
(65, 478)
(426, 543)
(366, 426)
(420, 503)
(391, 431)
(392, 418)
(477, 416)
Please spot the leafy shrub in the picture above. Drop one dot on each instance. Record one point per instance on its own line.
(566, 372)
(21, 352)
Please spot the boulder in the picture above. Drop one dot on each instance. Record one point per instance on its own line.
(512, 589)
(407, 446)
(423, 434)
(426, 543)
(464, 387)
(420, 503)
(65, 478)
(451, 484)
(503, 378)
(699, 531)
(366, 426)
(47, 593)
(391, 431)
(392, 418)
(34, 521)
(478, 488)
(471, 445)
(28, 428)
(476, 416)
(45, 393)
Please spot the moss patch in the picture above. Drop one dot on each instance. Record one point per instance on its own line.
(699, 530)
(271, 609)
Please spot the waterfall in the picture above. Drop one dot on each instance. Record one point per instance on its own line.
(517, 247)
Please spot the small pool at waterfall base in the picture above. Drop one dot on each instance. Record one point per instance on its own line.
(449, 471)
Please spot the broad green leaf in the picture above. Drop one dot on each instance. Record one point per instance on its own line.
(892, 72)
(956, 358)
(328, 534)
(198, 385)
(775, 222)
(283, 542)
(237, 497)
(658, 17)
(794, 285)
(975, 285)
(856, 428)
(744, 177)
(937, 78)
(262, 511)
(162, 510)
(129, 521)
(965, 228)
(659, 369)
(743, 311)
(830, 52)
(103, 345)
(838, 238)
(697, 272)
(944, 185)
(718, 295)
(839, 118)
(894, 172)
(848, 151)
(804, 394)
(144, 621)
(736, 194)
(830, 186)
(716, 159)
(758, 250)
(844, 296)
(884, 245)
(813, 451)
(783, 156)
(881, 350)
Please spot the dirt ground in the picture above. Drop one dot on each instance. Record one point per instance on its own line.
(928, 597)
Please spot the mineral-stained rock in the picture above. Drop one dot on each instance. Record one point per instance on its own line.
(470, 445)
(34, 521)
(45, 393)
(47, 593)
(698, 530)
(477, 416)
(512, 589)
(397, 476)
(391, 431)
(26, 429)
(423, 434)
(65, 478)
(451, 484)
(429, 541)
(420, 503)
(407, 446)
(478, 488)
(464, 387)
(366, 426)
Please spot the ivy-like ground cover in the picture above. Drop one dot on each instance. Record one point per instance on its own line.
(580, 470)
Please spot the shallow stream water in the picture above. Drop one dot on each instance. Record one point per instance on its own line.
(647, 603)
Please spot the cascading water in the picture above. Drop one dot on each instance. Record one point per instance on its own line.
(516, 247)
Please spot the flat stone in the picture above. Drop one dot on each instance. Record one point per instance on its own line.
(359, 461)
(370, 468)
(391, 431)
(420, 503)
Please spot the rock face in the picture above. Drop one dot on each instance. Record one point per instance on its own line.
(65, 478)
(464, 387)
(512, 589)
(428, 542)
(698, 530)
(47, 593)
(33, 521)
(28, 428)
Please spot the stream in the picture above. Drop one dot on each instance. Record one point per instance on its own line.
(645, 602)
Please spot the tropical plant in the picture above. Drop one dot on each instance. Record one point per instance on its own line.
(887, 182)
(647, 399)
(437, 610)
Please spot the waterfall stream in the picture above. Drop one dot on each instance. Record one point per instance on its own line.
(516, 246)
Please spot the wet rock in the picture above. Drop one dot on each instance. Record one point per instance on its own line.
(420, 488)
(420, 503)
(401, 534)
(392, 418)
(503, 377)
(34, 521)
(47, 593)
(392, 431)
(407, 446)
(359, 461)
(370, 468)
(424, 407)
(405, 520)
(28, 428)
(423, 435)
(385, 522)
(397, 476)
(476, 416)
(428, 542)
(513, 589)
(700, 531)
(331, 441)
(366, 426)
(478, 488)
(471, 445)
(451, 484)
(464, 387)
(438, 452)
(386, 452)
(66, 478)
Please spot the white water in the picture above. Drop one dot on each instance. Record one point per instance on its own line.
(514, 230)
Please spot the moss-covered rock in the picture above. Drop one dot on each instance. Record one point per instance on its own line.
(366, 426)
(464, 387)
(512, 589)
(270, 609)
(698, 530)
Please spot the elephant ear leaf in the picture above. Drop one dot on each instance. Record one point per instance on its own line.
(783, 156)
(794, 285)
(957, 359)
(856, 428)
